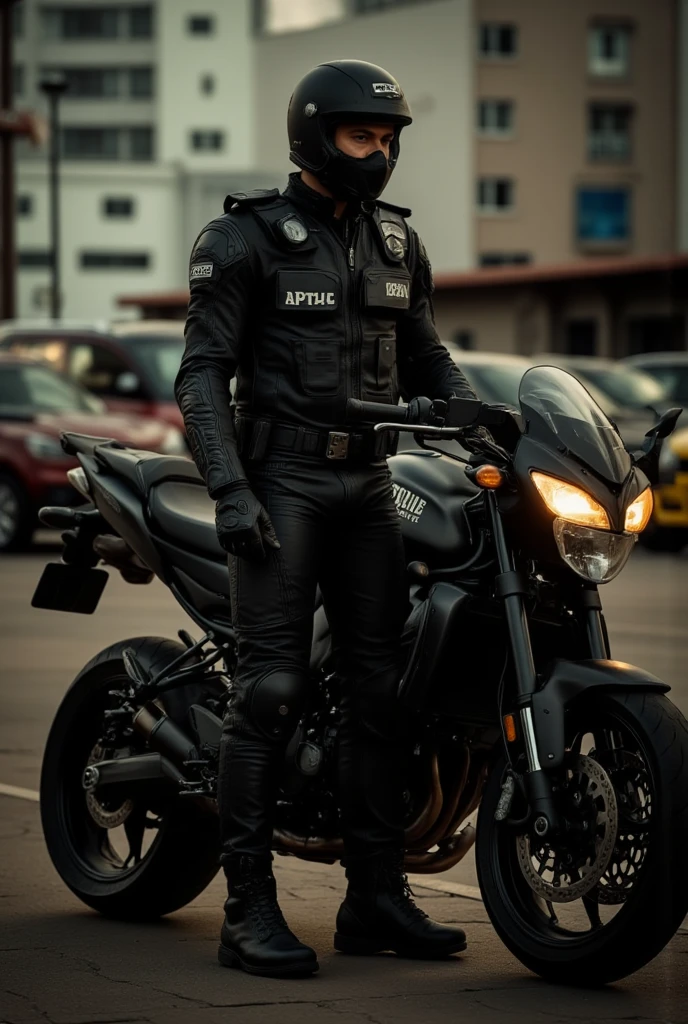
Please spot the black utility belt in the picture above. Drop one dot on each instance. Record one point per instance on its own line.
(257, 437)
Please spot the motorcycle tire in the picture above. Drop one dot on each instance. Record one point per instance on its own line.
(657, 900)
(182, 859)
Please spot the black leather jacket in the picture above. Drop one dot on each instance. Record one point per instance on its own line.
(307, 312)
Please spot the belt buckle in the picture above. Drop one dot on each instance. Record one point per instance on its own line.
(337, 445)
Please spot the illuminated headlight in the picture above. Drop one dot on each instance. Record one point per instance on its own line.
(639, 511)
(173, 443)
(570, 502)
(596, 555)
(42, 446)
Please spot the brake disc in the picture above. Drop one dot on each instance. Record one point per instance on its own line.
(634, 796)
(101, 812)
(556, 871)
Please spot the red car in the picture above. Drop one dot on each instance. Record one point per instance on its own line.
(131, 366)
(36, 405)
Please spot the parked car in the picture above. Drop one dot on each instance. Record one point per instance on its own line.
(494, 376)
(668, 529)
(670, 369)
(131, 366)
(36, 405)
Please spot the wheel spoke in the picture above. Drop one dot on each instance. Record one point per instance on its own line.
(134, 828)
(592, 909)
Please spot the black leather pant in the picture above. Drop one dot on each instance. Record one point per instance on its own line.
(338, 527)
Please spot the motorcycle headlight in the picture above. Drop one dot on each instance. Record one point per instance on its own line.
(596, 555)
(42, 446)
(570, 502)
(639, 511)
(173, 443)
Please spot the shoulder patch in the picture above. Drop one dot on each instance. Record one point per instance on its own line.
(250, 198)
(220, 244)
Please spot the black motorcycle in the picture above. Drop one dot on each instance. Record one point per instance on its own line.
(579, 763)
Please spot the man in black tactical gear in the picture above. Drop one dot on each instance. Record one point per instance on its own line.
(310, 297)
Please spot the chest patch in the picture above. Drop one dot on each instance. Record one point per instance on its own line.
(387, 289)
(308, 291)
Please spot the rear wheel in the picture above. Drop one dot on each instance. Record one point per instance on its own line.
(17, 521)
(133, 855)
(600, 902)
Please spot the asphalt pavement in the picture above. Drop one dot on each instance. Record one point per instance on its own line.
(61, 963)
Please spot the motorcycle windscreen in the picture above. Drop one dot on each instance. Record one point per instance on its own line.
(559, 412)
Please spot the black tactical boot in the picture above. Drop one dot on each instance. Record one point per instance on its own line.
(255, 936)
(379, 914)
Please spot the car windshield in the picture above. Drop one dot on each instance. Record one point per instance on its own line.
(627, 386)
(559, 412)
(493, 383)
(159, 356)
(40, 389)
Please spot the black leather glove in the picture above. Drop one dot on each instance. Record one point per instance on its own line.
(472, 439)
(243, 526)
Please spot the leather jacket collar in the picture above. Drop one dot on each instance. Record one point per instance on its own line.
(315, 203)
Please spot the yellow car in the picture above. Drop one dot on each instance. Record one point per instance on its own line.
(668, 530)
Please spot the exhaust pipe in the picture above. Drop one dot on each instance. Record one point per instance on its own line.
(163, 735)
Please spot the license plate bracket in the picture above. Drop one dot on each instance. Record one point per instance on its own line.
(69, 588)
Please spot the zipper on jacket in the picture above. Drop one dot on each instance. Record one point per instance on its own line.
(356, 331)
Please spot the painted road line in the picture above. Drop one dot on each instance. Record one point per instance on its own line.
(21, 794)
(469, 892)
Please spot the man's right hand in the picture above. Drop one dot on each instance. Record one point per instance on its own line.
(243, 526)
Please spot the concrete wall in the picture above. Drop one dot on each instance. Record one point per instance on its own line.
(429, 48)
(547, 155)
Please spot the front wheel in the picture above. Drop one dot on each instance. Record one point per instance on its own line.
(599, 901)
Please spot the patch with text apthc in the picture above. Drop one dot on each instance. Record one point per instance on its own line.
(306, 291)
(201, 270)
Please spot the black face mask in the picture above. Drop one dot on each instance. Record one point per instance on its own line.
(362, 178)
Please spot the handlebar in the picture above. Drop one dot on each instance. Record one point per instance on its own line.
(375, 412)
(454, 414)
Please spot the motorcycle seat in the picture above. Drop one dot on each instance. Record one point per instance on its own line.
(184, 513)
(144, 469)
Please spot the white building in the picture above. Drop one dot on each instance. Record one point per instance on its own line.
(171, 104)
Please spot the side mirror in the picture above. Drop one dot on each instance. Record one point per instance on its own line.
(127, 383)
(647, 459)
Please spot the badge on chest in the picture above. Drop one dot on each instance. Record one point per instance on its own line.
(308, 291)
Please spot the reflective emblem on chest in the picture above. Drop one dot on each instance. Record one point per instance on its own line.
(397, 289)
(308, 291)
(387, 288)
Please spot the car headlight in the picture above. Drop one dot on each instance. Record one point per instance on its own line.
(639, 511)
(42, 446)
(570, 502)
(596, 555)
(668, 464)
(174, 443)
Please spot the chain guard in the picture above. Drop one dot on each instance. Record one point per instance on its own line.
(596, 786)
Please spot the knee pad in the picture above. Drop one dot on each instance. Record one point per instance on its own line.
(276, 704)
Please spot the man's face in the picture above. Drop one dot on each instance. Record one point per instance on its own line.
(360, 140)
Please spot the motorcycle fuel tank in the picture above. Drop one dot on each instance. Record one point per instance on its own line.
(429, 491)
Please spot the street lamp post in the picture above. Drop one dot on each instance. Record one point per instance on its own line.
(53, 86)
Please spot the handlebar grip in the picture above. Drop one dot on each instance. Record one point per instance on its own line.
(374, 412)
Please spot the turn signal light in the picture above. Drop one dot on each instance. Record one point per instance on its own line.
(490, 477)
(510, 728)
(570, 502)
(639, 511)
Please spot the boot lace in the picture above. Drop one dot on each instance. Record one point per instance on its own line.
(401, 895)
(262, 906)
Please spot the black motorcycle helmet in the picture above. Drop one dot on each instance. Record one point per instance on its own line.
(333, 94)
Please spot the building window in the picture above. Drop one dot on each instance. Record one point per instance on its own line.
(609, 131)
(497, 40)
(18, 21)
(92, 22)
(495, 117)
(200, 25)
(82, 143)
(609, 50)
(141, 22)
(102, 260)
(207, 141)
(495, 195)
(24, 206)
(603, 215)
(581, 337)
(18, 80)
(368, 6)
(34, 259)
(504, 259)
(141, 83)
(274, 17)
(207, 84)
(115, 206)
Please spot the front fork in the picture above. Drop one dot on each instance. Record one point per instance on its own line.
(510, 586)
